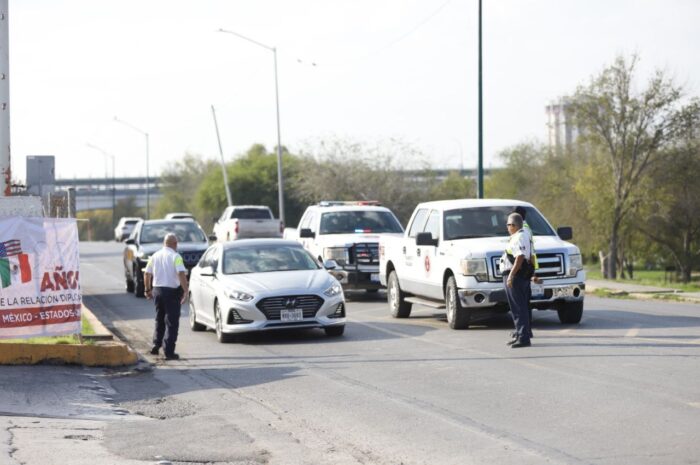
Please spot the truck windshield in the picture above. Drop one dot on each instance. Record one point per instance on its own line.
(358, 222)
(466, 223)
(251, 213)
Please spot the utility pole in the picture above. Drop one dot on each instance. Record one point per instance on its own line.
(480, 177)
(5, 160)
(221, 153)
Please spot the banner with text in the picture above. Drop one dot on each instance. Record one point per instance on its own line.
(39, 274)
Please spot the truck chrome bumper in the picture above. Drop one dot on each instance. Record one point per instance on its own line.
(357, 279)
(494, 296)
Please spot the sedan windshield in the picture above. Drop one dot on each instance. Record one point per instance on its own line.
(352, 222)
(267, 258)
(186, 231)
(467, 223)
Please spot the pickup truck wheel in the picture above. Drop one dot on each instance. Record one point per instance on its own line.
(457, 316)
(139, 285)
(395, 296)
(571, 313)
(194, 325)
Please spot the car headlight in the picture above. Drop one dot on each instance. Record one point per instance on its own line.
(575, 264)
(334, 290)
(334, 253)
(239, 295)
(475, 267)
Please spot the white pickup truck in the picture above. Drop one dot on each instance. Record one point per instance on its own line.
(347, 233)
(247, 221)
(449, 258)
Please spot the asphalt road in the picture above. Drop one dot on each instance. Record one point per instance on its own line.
(622, 387)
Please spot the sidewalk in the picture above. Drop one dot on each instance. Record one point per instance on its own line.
(105, 350)
(640, 291)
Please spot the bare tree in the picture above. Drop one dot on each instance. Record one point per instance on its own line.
(630, 128)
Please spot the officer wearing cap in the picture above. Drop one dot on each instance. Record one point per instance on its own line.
(517, 270)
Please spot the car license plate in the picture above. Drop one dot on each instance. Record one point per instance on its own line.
(374, 277)
(537, 291)
(292, 315)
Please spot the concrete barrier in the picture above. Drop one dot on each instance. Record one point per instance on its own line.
(105, 350)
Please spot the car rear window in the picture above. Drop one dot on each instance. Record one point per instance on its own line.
(251, 213)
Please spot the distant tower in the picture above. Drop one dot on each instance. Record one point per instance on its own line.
(562, 131)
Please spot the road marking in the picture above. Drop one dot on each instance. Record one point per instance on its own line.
(633, 332)
(694, 404)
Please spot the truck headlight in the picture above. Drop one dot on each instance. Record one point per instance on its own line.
(239, 295)
(475, 267)
(575, 264)
(334, 253)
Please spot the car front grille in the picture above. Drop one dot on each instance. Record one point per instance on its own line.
(364, 253)
(191, 258)
(551, 265)
(273, 306)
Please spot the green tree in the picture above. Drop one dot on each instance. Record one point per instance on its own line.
(180, 183)
(630, 128)
(454, 186)
(673, 219)
(253, 181)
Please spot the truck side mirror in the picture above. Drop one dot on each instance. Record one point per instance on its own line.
(426, 238)
(565, 233)
(306, 232)
(130, 241)
(212, 237)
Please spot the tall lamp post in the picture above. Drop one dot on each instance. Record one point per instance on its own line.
(107, 154)
(280, 179)
(148, 180)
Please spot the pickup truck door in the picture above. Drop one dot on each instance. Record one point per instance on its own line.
(407, 265)
(427, 270)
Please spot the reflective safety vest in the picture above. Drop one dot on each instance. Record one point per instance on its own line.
(509, 248)
(533, 256)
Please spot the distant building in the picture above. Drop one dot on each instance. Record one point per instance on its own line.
(560, 125)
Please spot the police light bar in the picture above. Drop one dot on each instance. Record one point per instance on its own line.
(331, 203)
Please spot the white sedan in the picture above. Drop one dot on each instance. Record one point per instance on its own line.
(263, 284)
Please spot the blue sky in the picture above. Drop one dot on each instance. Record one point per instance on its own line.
(361, 69)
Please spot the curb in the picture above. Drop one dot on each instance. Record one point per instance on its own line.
(665, 296)
(106, 351)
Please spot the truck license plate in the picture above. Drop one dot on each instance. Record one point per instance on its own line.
(374, 277)
(292, 315)
(537, 291)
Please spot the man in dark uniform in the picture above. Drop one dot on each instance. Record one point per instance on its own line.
(517, 271)
(166, 282)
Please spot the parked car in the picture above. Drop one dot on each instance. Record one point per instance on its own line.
(263, 284)
(245, 222)
(124, 227)
(147, 239)
(179, 216)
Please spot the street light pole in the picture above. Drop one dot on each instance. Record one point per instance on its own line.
(480, 176)
(114, 200)
(148, 180)
(280, 178)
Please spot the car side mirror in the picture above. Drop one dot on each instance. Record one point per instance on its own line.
(330, 264)
(207, 271)
(565, 233)
(426, 238)
(212, 237)
(306, 232)
(130, 241)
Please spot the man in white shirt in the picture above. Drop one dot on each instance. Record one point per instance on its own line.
(166, 282)
(517, 271)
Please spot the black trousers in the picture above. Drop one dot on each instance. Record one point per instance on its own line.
(519, 302)
(167, 300)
